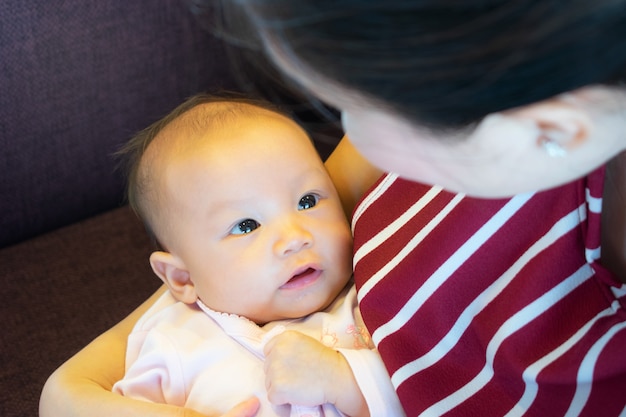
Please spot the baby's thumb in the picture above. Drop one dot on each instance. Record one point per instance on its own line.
(269, 339)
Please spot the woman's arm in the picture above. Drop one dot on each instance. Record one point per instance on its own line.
(351, 173)
(81, 387)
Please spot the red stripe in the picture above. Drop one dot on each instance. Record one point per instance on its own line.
(439, 313)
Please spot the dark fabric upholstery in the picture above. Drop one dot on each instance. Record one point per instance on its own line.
(76, 80)
(61, 290)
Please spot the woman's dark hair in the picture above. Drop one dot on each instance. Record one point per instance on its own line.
(448, 63)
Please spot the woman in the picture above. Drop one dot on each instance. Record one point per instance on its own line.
(477, 258)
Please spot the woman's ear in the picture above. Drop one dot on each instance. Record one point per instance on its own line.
(174, 274)
(561, 123)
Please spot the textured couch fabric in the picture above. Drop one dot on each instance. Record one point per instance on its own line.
(77, 79)
(61, 290)
(73, 72)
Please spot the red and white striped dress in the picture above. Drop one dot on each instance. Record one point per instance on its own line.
(492, 307)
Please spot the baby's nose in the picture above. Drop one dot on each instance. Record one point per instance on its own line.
(293, 239)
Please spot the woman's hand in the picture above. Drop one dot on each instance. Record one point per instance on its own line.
(246, 408)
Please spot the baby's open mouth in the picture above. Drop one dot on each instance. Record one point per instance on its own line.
(302, 279)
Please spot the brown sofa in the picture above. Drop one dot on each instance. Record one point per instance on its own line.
(77, 79)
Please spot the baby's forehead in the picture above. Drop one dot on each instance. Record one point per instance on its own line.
(214, 117)
(206, 118)
(211, 125)
(207, 115)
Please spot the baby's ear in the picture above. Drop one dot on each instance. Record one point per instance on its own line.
(174, 274)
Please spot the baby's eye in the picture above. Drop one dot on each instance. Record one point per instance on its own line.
(308, 201)
(244, 227)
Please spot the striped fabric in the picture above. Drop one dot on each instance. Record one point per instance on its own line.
(492, 307)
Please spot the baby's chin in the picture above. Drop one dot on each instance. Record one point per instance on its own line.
(302, 311)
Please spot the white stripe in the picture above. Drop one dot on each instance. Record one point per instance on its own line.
(449, 267)
(594, 203)
(592, 255)
(530, 374)
(448, 342)
(380, 189)
(412, 244)
(394, 226)
(619, 292)
(509, 327)
(584, 380)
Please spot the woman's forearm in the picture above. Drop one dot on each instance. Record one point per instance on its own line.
(351, 173)
(82, 385)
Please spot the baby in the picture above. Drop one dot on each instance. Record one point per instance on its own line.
(256, 253)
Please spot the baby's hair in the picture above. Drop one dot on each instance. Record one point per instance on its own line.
(131, 153)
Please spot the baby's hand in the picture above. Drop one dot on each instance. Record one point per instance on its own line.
(300, 370)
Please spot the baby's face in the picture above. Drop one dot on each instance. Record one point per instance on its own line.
(257, 220)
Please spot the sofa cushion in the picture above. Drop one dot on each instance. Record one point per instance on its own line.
(77, 80)
(61, 290)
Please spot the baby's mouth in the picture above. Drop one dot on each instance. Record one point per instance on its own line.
(302, 279)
